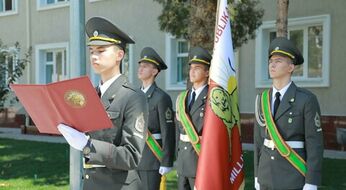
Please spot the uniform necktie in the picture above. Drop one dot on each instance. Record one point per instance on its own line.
(276, 102)
(98, 90)
(192, 100)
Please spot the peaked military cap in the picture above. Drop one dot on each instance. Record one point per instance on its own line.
(199, 55)
(149, 55)
(283, 46)
(102, 32)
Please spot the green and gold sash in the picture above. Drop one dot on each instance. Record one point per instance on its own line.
(154, 146)
(285, 150)
(187, 124)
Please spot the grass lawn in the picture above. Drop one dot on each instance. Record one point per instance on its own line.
(45, 166)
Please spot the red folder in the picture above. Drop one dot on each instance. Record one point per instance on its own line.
(73, 102)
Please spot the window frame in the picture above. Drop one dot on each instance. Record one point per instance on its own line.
(94, 1)
(40, 60)
(170, 83)
(262, 44)
(13, 11)
(44, 6)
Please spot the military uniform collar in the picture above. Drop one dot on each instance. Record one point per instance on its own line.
(282, 91)
(287, 100)
(145, 90)
(107, 84)
(151, 90)
(198, 91)
(200, 98)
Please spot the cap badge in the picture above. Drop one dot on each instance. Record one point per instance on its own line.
(96, 33)
(145, 57)
(195, 57)
(277, 48)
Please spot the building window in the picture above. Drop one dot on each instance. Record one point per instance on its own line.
(177, 51)
(93, 1)
(51, 4)
(8, 7)
(52, 63)
(8, 63)
(55, 65)
(311, 35)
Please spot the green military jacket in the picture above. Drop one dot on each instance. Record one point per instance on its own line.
(186, 155)
(119, 148)
(297, 119)
(161, 121)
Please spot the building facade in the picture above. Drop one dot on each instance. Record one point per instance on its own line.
(316, 26)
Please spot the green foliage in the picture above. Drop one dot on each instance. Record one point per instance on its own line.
(246, 19)
(199, 15)
(11, 68)
(174, 17)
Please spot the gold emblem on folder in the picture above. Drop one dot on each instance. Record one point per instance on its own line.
(75, 99)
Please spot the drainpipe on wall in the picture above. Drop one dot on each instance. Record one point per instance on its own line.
(28, 38)
(77, 68)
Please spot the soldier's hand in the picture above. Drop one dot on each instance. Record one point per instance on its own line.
(164, 170)
(257, 185)
(309, 187)
(76, 139)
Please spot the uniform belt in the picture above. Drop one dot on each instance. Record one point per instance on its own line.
(88, 166)
(185, 138)
(156, 136)
(293, 144)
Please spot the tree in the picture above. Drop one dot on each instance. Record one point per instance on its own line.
(11, 68)
(194, 20)
(281, 18)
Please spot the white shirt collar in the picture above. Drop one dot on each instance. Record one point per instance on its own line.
(282, 91)
(107, 84)
(198, 91)
(145, 90)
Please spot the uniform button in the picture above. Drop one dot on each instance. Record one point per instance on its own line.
(108, 115)
(185, 148)
(272, 157)
(87, 176)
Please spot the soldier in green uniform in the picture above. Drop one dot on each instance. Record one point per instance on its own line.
(190, 108)
(112, 155)
(158, 153)
(288, 135)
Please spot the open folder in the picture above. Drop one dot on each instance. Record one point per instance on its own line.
(73, 102)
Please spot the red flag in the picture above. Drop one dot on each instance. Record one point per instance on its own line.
(220, 165)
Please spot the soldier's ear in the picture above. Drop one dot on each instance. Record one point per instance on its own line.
(291, 67)
(207, 74)
(120, 54)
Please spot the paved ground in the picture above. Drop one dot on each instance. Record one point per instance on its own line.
(15, 133)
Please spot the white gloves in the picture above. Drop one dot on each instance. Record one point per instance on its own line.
(75, 138)
(309, 187)
(257, 185)
(164, 170)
